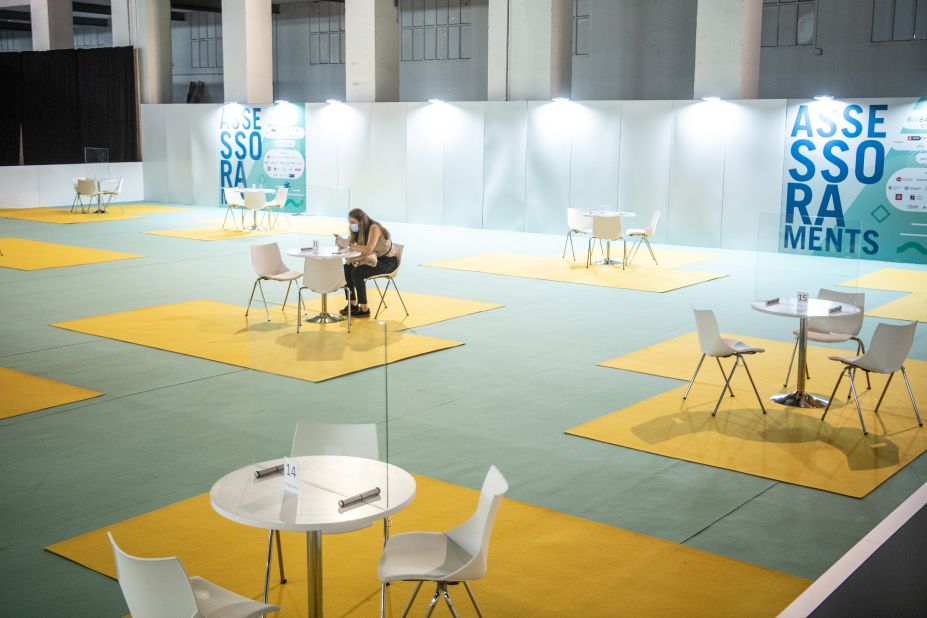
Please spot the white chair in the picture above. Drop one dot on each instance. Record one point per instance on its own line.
(254, 201)
(835, 330)
(578, 222)
(160, 588)
(352, 439)
(233, 200)
(643, 235)
(887, 352)
(278, 204)
(322, 277)
(87, 188)
(390, 279)
(113, 192)
(268, 265)
(76, 199)
(457, 556)
(607, 228)
(712, 344)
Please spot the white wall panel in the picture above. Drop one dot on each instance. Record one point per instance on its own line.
(696, 173)
(20, 186)
(322, 122)
(354, 153)
(28, 186)
(754, 150)
(56, 182)
(425, 163)
(388, 161)
(179, 160)
(154, 151)
(204, 153)
(463, 164)
(548, 158)
(646, 147)
(505, 144)
(594, 165)
(133, 188)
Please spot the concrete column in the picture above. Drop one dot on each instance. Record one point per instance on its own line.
(119, 23)
(52, 24)
(540, 49)
(497, 73)
(727, 49)
(247, 49)
(371, 69)
(150, 31)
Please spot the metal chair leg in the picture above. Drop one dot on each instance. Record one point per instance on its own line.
(569, 239)
(859, 410)
(788, 373)
(652, 254)
(476, 605)
(758, 398)
(724, 374)
(261, 289)
(270, 551)
(280, 558)
(287, 295)
(447, 599)
(727, 384)
(405, 612)
(697, 367)
(834, 392)
(904, 374)
(860, 350)
(299, 309)
(589, 253)
(382, 293)
(251, 297)
(396, 287)
(884, 390)
(434, 601)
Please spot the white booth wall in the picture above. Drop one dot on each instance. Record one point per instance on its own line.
(709, 166)
(27, 186)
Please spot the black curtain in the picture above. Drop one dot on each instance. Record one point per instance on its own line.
(10, 115)
(73, 99)
(50, 117)
(106, 92)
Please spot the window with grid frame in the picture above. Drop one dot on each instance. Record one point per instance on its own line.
(580, 27)
(205, 39)
(899, 20)
(789, 23)
(326, 33)
(435, 30)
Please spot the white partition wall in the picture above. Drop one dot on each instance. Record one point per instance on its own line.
(28, 186)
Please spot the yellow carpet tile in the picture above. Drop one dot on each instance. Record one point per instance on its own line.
(24, 254)
(23, 393)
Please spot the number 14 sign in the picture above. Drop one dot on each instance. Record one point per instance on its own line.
(290, 474)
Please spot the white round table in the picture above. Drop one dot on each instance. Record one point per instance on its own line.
(323, 253)
(254, 226)
(323, 480)
(608, 261)
(814, 308)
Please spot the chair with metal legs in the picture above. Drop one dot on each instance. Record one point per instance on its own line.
(712, 344)
(887, 352)
(233, 200)
(269, 266)
(607, 228)
(350, 439)
(643, 235)
(835, 330)
(578, 222)
(390, 280)
(457, 556)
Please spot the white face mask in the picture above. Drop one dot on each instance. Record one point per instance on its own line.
(355, 228)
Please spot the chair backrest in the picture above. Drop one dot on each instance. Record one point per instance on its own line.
(267, 260)
(233, 196)
(254, 200)
(653, 223)
(578, 220)
(352, 439)
(74, 180)
(280, 198)
(323, 276)
(606, 227)
(889, 347)
(845, 325)
(86, 186)
(709, 335)
(154, 587)
(118, 188)
(397, 251)
(473, 535)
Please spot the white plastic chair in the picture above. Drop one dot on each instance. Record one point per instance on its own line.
(607, 228)
(268, 265)
(278, 203)
(390, 280)
(233, 200)
(113, 192)
(887, 352)
(160, 588)
(87, 187)
(459, 555)
(351, 439)
(254, 201)
(76, 199)
(643, 235)
(578, 222)
(835, 330)
(712, 344)
(321, 277)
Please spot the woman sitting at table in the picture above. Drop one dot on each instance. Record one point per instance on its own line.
(372, 241)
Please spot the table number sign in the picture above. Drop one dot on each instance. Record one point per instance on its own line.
(290, 474)
(801, 299)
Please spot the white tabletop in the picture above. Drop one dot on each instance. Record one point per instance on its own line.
(323, 253)
(324, 479)
(815, 308)
(609, 213)
(250, 189)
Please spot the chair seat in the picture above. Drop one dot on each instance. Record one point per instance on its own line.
(741, 347)
(216, 602)
(822, 337)
(429, 556)
(289, 275)
(865, 365)
(636, 231)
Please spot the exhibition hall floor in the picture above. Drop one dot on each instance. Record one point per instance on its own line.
(167, 425)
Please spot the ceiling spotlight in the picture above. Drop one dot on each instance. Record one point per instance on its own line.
(711, 99)
(824, 97)
(436, 101)
(561, 99)
(279, 101)
(332, 101)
